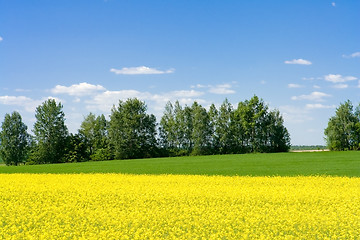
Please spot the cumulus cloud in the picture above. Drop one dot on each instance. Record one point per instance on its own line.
(353, 55)
(293, 85)
(25, 102)
(319, 106)
(217, 89)
(298, 61)
(314, 96)
(340, 86)
(140, 70)
(1, 38)
(222, 89)
(81, 89)
(186, 93)
(106, 100)
(293, 114)
(337, 78)
(333, 4)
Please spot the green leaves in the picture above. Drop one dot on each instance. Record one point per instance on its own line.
(132, 131)
(343, 130)
(14, 139)
(50, 133)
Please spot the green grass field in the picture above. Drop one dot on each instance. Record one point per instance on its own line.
(281, 164)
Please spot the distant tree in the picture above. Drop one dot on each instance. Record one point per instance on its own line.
(76, 149)
(168, 130)
(278, 137)
(201, 131)
(94, 130)
(342, 132)
(51, 133)
(213, 125)
(132, 131)
(14, 140)
(224, 128)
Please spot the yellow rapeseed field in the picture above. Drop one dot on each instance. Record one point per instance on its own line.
(117, 206)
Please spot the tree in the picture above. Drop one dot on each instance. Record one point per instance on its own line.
(50, 132)
(94, 130)
(278, 137)
(132, 131)
(224, 130)
(342, 132)
(14, 139)
(201, 132)
(168, 130)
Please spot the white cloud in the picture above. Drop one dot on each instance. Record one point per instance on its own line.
(262, 82)
(139, 70)
(293, 85)
(333, 4)
(316, 87)
(314, 96)
(221, 89)
(199, 86)
(337, 78)
(81, 89)
(340, 86)
(1, 39)
(186, 93)
(353, 55)
(298, 61)
(294, 114)
(25, 102)
(319, 106)
(217, 89)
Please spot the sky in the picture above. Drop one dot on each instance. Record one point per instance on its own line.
(300, 57)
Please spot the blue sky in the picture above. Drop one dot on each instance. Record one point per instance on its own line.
(301, 57)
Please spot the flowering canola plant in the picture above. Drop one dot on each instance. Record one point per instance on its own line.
(119, 206)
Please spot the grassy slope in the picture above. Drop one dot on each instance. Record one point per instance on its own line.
(283, 164)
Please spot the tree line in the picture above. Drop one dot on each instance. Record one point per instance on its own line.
(133, 133)
(343, 130)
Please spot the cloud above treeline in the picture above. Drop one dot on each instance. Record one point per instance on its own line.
(314, 96)
(337, 78)
(142, 70)
(299, 61)
(81, 89)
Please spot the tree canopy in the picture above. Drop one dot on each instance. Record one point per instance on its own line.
(343, 130)
(132, 133)
(14, 140)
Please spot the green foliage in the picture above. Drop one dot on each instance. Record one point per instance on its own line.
(132, 131)
(94, 130)
(102, 154)
(249, 128)
(50, 132)
(343, 130)
(14, 140)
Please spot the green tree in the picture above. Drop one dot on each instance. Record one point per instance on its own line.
(50, 132)
(201, 131)
(342, 132)
(224, 128)
(14, 140)
(132, 131)
(213, 124)
(168, 130)
(278, 137)
(76, 149)
(94, 130)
